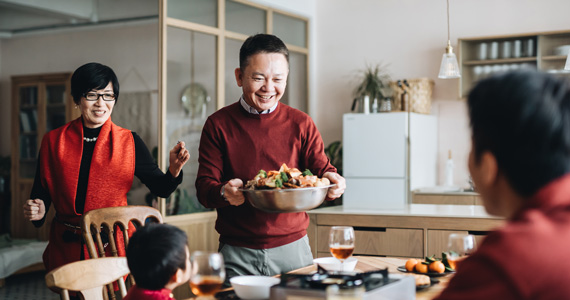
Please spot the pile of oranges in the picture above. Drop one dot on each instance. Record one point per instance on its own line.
(424, 266)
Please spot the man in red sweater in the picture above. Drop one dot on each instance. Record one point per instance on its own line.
(257, 132)
(520, 163)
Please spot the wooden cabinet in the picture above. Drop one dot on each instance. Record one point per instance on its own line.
(400, 235)
(40, 103)
(378, 241)
(483, 56)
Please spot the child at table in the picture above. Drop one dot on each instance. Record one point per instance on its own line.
(159, 260)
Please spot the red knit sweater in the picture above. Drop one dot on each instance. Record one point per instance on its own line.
(237, 144)
(525, 259)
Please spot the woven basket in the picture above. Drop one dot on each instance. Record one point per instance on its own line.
(419, 92)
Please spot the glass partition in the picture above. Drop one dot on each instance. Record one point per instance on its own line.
(233, 91)
(296, 92)
(291, 30)
(244, 19)
(191, 98)
(203, 12)
(198, 66)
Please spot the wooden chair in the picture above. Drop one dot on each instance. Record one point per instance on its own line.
(111, 220)
(89, 277)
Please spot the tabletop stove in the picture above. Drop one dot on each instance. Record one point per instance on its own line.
(378, 285)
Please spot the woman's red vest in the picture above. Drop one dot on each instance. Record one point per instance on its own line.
(110, 178)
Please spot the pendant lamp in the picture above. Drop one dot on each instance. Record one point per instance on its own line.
(449, 67)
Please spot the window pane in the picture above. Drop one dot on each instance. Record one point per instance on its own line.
(233, 92)
(244, 19)
(291, 30)
(296, 92)
(191, 98)
(198, 11)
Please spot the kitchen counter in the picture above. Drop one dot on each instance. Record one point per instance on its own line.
(419, 230)
(423, 210)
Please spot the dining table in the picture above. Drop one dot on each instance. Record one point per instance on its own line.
(372, 263)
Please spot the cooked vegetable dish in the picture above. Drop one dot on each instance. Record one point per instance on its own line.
(285, 178)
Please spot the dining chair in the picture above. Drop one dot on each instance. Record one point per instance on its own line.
(89, 277)
(106, 220)
(106, 230)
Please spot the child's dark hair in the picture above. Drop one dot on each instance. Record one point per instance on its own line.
(154, 254)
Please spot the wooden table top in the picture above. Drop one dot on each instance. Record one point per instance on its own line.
(371, 263)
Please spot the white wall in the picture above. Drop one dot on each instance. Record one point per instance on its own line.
(410, 36)
(132, 52)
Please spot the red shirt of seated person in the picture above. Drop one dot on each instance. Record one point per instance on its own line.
(520, 163)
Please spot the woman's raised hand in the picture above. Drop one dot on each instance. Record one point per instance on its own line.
(34, 210)
(179, 155)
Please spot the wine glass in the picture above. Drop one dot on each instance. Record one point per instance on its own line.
(341, 243)
(208, 274)
(459, 246)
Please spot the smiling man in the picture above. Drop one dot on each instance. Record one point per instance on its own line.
(258, 132)
(520, 163)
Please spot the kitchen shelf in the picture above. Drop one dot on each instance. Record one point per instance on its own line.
(499, 61)
(555, 57)
(537, 50)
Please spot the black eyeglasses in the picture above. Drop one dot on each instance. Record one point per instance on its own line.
(95, 97)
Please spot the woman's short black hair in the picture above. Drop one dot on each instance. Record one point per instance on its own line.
(154, 254)
(523, 119)
(92, 76)
(261, 43)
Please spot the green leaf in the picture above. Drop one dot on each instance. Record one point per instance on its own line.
(278, 182)
(307, 172)
(284, 177)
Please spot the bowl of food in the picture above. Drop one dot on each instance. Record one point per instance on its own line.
(332, 264)
(253, 287)
(286, 190)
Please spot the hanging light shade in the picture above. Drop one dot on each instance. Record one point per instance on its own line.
(449, 67)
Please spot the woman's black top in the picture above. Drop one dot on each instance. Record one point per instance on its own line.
(146, 170)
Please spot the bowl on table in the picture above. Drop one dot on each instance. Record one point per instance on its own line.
(253, 287)
(287, 200)
(332, 264)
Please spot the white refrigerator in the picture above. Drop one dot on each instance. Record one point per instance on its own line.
(375, 158)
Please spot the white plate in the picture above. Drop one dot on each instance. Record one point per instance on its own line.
(333, 264)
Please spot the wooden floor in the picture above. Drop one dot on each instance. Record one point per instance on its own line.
(27, 286)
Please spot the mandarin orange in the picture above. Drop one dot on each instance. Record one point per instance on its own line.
(437, 266)
(411, 264)
(421, 268)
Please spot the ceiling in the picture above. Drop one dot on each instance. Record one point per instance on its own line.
(18, 17)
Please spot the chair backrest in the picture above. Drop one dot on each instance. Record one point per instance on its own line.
(89, 277)
(100, 221)
(105, 220)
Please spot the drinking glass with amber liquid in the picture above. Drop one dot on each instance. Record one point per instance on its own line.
(341, 243)
(208, 274)
(459, 246)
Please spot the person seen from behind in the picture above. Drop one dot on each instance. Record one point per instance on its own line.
(520, 164)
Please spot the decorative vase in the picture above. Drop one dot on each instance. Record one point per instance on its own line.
(385, 105)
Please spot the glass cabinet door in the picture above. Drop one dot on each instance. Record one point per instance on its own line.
(28, 116)
(55, 106)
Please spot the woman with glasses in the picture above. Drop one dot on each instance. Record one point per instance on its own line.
(90, 163)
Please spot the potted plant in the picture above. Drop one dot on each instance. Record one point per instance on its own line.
(374, 83)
